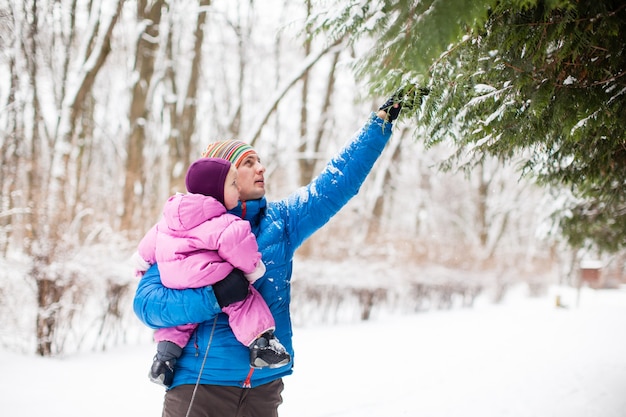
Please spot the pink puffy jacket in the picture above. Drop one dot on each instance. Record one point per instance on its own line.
(197, 243)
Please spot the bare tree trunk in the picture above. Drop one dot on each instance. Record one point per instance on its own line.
(59, 204)
(310, 146)
(83, 149)
(324, 120)
(306, 163)
(490, 230)
(374, 209)
(374, 226)
(34, 185)
(171, 88)
(48, 297)
(482, 221)
(149, 14)
(187, 119)
(52, 194)
(9, 151)
(39, 252)
(236, 114)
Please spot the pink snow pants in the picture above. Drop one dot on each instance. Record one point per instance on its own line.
(248, 319)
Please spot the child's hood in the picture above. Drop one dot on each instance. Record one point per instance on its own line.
(186, 211)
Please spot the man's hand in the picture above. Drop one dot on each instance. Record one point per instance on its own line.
(408, 99)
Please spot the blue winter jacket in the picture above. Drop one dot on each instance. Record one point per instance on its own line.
(280, 227)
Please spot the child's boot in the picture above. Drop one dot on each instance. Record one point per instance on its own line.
(267, 352)
(162, 369)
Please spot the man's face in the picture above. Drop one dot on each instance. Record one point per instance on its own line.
(250, 179)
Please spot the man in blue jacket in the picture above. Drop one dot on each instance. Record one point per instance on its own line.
(213, 377)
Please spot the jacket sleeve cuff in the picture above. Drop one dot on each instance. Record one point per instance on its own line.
(257, 273)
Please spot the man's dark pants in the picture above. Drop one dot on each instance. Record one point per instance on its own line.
(218, 401)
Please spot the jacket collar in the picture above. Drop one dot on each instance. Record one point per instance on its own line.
(252, 211)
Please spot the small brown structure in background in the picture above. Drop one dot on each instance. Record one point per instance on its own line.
(591, 274)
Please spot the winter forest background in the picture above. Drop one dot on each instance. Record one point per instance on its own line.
(103, 105)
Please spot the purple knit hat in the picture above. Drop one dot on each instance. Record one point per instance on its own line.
(207, 176)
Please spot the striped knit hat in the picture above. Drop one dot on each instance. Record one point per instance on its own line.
(234, 151)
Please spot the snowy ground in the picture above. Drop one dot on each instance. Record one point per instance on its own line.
(520, 359)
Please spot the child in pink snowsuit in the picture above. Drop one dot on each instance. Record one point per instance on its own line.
(198, 243)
